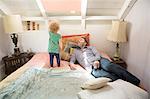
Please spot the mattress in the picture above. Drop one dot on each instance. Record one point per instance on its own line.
(36, 80)
(42, 83)
(40, 60)
(118, 89)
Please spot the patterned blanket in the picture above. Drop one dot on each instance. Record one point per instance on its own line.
(39, 83)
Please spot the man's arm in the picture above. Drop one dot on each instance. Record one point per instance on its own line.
(96, 53)
(60, 43)
(72, 61)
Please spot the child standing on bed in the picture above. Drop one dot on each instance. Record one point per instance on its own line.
(54, 45)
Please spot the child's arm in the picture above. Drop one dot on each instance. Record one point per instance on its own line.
(60, 44)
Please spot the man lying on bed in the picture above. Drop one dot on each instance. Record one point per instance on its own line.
(89, 58)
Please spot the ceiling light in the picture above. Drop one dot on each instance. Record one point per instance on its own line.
(72, 11)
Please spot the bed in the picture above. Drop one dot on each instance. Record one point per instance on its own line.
(36, 80)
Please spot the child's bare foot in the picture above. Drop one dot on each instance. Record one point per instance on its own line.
(50, 66)
(58, 65)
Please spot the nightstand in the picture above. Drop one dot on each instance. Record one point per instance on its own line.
(13, 62)
(121, 63)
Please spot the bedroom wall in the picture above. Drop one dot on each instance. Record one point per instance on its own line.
(4, 48)
(38, 41)
(136, 51)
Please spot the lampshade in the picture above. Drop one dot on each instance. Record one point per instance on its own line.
(118, 32)
(12, 24)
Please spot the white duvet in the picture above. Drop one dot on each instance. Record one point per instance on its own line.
(63, 84)
(40, 83)
(118, 89)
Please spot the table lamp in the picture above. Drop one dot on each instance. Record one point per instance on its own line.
(13, 25)
(117, 35)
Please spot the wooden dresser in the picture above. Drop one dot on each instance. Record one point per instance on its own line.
(13, 62)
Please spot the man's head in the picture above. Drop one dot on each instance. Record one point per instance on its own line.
(82, 42)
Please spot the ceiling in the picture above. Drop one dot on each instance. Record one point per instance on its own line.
(104, 7)
(77, 9)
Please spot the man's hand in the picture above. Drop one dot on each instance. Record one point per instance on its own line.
(72, 66)
(96, 64)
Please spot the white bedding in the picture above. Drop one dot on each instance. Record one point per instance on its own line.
(118, 89)
(40, 83)
(115, 90)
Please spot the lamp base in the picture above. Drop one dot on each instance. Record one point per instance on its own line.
(117, 53)
(16, 51)
(116, 58)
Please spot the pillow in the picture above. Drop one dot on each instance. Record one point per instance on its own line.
(65, 56)
(96, 83)
(71, 51)
(68, 51)
(68, 43)
(73, 38)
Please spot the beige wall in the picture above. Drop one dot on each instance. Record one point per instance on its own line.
(136, 51)
(4, 47)
(3, 41)
(38, 41)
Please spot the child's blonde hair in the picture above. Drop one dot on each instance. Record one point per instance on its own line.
(54, 26)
